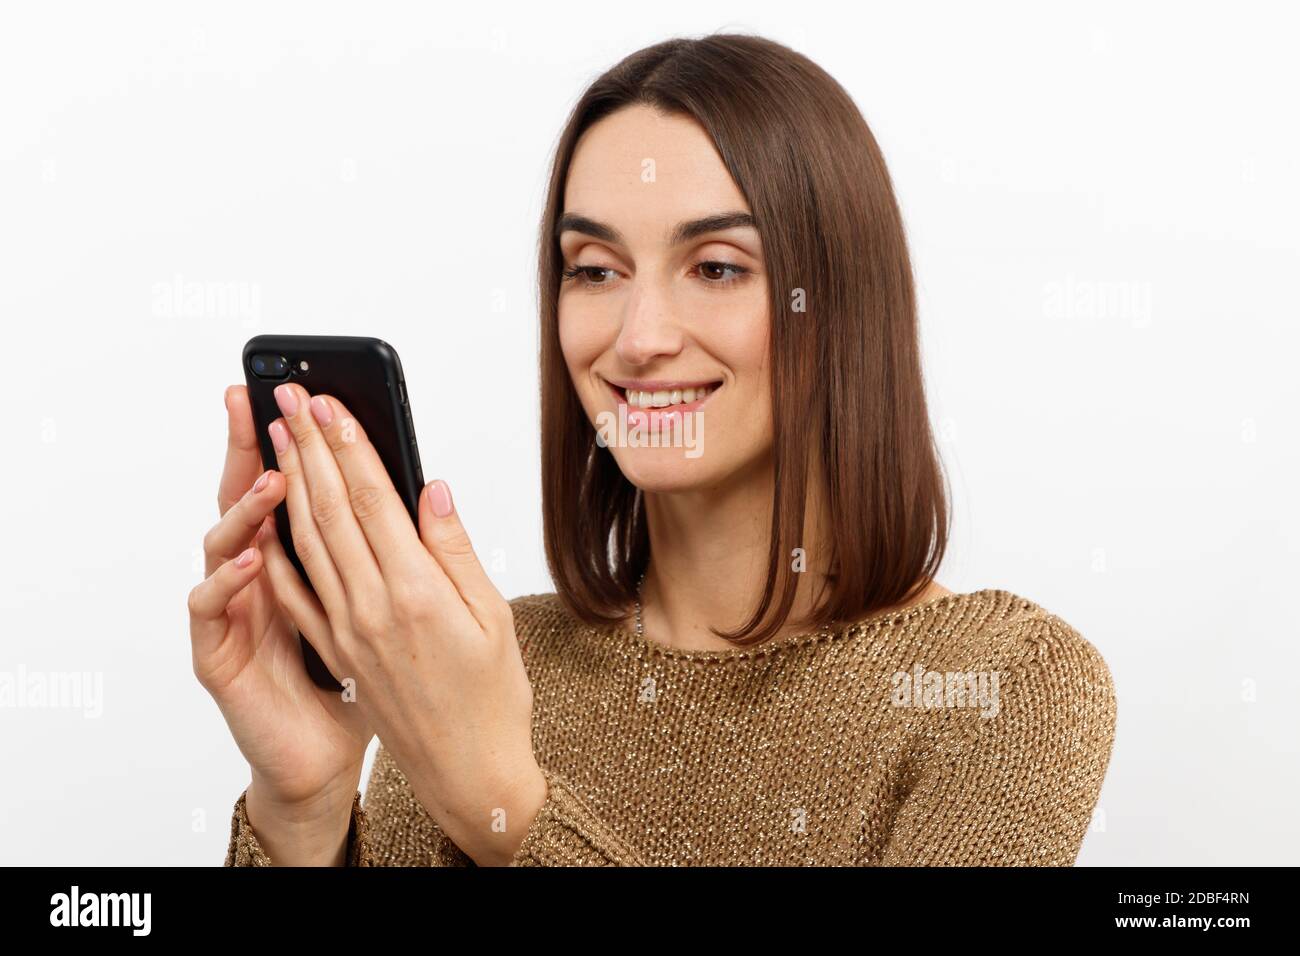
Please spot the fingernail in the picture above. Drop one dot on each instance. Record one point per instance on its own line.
(279, 436)
(321, 410)
(245, 559)
(440, 498)
(261, 482)
(287, 400)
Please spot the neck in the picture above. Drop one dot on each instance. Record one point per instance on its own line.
(709, 562)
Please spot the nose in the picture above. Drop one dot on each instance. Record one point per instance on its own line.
(650, 329)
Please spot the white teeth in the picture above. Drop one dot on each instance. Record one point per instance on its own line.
(663, 398)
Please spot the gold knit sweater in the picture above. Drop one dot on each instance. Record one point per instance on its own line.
(809, 750)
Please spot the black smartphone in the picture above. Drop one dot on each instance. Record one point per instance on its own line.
(366, 376)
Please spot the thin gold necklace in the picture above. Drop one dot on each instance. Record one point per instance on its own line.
(639, 631)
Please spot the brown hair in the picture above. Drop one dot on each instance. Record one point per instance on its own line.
(847, 389)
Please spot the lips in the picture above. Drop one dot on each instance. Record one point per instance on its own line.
(661, 403)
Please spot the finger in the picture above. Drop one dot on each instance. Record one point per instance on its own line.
(308, 544)
(378, 508)
(211, 596)
(237, 526)
(303, 607)
(446, 539)
(327, 495)
(243, 460)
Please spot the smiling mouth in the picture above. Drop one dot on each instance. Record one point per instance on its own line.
(664, 397)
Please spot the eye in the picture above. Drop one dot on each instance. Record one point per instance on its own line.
(710, 268)
(584, 275)
(712, 272)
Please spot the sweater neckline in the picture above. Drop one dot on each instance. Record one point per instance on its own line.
(877, 621)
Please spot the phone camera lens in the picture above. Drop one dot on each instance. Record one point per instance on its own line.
(265, 365)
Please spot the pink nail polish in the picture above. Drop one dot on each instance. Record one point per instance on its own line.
(287, 400)
(321, 410)
(261, 482)
(279, 436)
(440, 498)
(245, 559)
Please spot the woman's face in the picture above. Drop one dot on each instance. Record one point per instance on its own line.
(665, 325)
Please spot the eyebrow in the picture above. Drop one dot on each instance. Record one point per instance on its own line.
(682, 232)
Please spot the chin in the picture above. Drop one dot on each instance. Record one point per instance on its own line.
(668, 470)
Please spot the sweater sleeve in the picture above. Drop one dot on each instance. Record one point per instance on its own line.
(244, 849)
(1016, 788)
(566, 832)
(393, 829)
(399, 830)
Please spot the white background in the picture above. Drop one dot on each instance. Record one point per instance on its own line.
(1102, 205)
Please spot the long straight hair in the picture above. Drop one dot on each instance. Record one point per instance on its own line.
(847, 388)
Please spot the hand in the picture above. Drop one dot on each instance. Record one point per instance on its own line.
(413, 619)
(305, 746)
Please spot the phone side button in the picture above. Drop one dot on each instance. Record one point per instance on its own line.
(401, 392)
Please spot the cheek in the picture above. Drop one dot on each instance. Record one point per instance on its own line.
(741, 343)
(581, 343)
(576, 342)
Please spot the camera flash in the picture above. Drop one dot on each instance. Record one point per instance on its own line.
(302, 366)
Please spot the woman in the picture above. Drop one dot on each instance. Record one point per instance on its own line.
(747, 660)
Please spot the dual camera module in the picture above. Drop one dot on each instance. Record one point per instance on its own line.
(276, 367)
